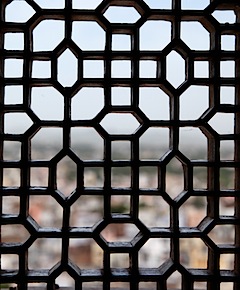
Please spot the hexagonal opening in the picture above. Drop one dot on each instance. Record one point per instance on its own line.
(124, 123)
(14, 233)
(86, 211)
(149, 96)
(41, 209)
(175, 69)
(67, 77)
(16, 123)
(44, 99)
(43, 41)
(174, 280)
(12, 11)
(174, 178)
(122, 14)
(66, 175)
(87, 103)
(147, 42)
(88, 29)
(119, 232)
(195, 35)
(64, 279)
(154, 253)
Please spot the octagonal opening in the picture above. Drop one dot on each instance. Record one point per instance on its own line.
(119, 232)
(175, 69)
(122, 14)
(18, 11)
(124, 123)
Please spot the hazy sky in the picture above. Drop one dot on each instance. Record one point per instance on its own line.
(47, 102)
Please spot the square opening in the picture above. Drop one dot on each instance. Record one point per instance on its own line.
(121, 42)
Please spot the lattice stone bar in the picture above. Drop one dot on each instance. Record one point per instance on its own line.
(111, 74)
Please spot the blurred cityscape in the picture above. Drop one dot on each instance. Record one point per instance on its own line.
(154, 211)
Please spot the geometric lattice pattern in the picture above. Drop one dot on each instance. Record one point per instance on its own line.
(175, 68)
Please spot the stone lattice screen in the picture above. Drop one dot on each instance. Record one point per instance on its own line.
(154, 67)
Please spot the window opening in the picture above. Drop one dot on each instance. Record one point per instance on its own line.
(119, 144)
